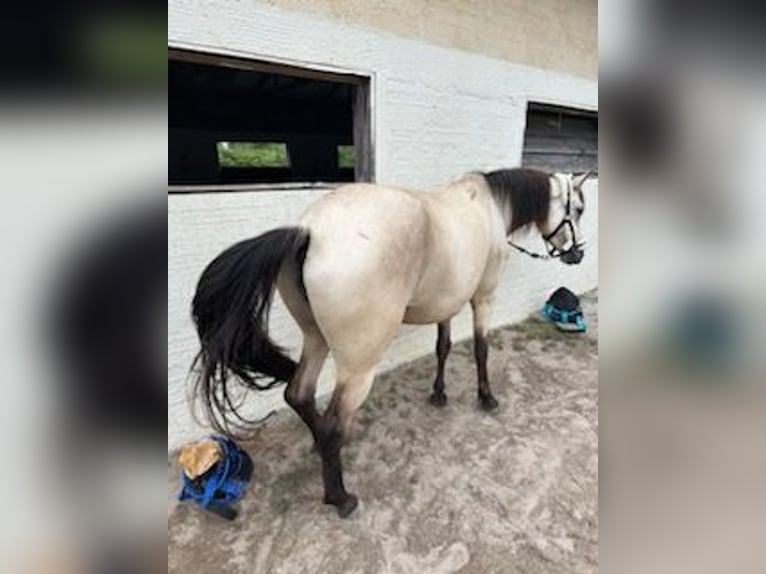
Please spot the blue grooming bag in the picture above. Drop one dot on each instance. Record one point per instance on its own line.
(222, 485)
(563, 308)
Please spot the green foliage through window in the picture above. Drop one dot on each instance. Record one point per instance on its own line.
(346, 156)
(252, 154)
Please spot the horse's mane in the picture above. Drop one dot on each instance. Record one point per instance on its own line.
(527, 192)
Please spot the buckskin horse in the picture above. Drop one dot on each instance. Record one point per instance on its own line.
(362, 260)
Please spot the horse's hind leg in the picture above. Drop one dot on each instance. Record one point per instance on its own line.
(443, 345)
(481, 312)
(357, 354)
(300, 392)
(333, 428)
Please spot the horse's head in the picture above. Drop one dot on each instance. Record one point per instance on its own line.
(553, 203)
(561, 228)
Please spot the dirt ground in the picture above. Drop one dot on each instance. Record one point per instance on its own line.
(449, 489)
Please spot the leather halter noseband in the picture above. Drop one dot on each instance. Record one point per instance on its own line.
(553, 251)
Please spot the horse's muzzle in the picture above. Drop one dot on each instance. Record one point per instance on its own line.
(573, 256)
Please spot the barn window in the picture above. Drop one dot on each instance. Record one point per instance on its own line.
(240, 121)
(561, 139)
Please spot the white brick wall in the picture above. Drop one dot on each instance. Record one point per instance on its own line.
(438, 113)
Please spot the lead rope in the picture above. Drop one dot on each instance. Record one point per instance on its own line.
(530, 253)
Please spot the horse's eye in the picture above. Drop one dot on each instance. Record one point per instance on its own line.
(580, 211)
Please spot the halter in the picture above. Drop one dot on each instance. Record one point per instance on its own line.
(553, 251)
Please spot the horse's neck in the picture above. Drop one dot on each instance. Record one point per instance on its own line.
(470, 187)
(473, 188)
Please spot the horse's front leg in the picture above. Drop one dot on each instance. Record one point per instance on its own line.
(443, 345)
(482, 308)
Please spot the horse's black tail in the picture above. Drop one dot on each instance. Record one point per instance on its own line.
(231, 312)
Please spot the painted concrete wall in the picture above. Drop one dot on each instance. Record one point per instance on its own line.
(556, 35)
(438, 113)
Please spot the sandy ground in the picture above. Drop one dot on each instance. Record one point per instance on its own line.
(449, 489)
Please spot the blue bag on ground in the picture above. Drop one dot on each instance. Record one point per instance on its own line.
(563, 308)
(223, 484)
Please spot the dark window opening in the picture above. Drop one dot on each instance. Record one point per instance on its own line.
(560, 139)
(242, 121)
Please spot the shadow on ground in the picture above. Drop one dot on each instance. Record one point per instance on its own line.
(441, 490)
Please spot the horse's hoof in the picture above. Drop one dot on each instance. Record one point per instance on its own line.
(438, 399)
(488, 403)
(346, 507)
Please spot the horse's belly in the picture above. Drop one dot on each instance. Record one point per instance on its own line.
(433, 312)
(448, 282)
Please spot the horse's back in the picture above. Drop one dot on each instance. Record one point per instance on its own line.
(362, 219)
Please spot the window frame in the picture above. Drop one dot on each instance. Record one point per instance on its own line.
(363, 112)
(568, 108)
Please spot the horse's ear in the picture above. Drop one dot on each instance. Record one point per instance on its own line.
(580, 179)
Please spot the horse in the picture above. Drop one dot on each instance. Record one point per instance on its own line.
(362, 260)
